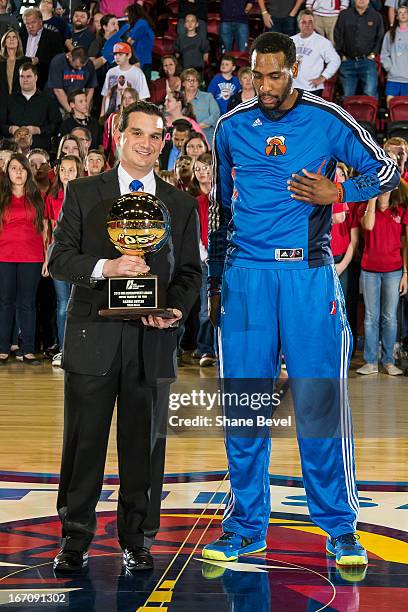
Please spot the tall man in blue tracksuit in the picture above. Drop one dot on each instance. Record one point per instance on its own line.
(271, 265)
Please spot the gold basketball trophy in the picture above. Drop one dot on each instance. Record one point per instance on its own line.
(138, 223)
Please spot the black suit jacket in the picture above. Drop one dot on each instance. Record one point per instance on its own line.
(81, 239)
(50, 44)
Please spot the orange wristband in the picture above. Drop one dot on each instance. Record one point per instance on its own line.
(340, 193)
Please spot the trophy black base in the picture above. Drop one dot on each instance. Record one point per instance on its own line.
(130, 314)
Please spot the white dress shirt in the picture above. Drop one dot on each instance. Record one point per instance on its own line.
(149, 186)
(32, 44)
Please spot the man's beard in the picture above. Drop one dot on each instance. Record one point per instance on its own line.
(280, 100)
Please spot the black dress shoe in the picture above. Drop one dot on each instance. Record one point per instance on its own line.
(31, 361)
(70, 560)
(137, 558)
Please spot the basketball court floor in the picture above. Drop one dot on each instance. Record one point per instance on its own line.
(294, 573)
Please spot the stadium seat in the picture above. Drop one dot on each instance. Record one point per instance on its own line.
(398, 128)
(163, 45)
(172, 6)
(148, 5)
(329, 88)
(398, 107)
(213, 25)
(241, 58)
(362, 108)
(157, 91)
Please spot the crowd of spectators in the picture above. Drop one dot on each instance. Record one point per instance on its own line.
(68, 68)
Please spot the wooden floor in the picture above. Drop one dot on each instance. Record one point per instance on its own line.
(31, 416)
(293, 573)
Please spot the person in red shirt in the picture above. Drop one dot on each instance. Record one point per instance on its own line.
(384, 279)
(23, 242)
(345, 232)
(205, 338)
(70, 168)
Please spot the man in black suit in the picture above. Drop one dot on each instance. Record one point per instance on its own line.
(107, 360)
(39, 43)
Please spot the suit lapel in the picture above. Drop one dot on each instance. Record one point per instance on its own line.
(161, 189)
(109, 188)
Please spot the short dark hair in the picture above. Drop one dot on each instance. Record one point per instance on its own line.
(182, 125)
(229, 58)
(275, 42)
(148, 108)
(73, 94)
(80, 53)
(28, 66)
(81, 9)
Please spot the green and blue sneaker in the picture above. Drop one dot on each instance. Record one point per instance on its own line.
(347, 550)
(230, 546)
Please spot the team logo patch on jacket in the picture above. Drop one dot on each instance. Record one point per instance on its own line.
(275, 145)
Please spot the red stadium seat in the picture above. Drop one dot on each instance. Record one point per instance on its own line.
(157, 91)
(163, 45)
(241, 58)
(148, 5)
(362, 108)
(398, 108)
(172, 6)
(213, 25)
(329, 88)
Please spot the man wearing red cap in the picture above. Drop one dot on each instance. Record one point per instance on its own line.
(123, 75)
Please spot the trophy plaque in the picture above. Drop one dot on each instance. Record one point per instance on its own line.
(138, 223)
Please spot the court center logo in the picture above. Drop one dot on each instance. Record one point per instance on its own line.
(294, 566)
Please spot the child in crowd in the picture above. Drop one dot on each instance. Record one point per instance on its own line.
(123, 75)
(191, 46)
(184, 172)
(129, 96)
(225, 85)
(70, 145)
(95, 162)
(195, 145)
(70, 168)
(398, 148)
(384, 273)
(394, 55)
(80, 117)
(39, 161)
